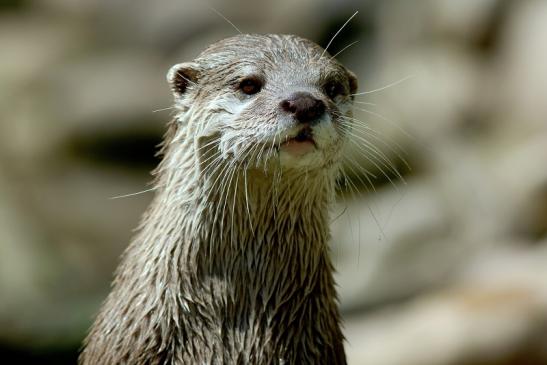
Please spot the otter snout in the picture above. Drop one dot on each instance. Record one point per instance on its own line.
(304, 107)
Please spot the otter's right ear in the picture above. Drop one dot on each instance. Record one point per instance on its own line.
(183, 75)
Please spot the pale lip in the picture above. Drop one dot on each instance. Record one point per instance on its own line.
(300, 144)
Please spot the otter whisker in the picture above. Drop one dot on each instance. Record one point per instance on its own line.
(338, 32)
(277, 172)
(251, 155)
(208, 144)
(389, 121)
(353, 193)
(232, 173)
(351, 185)
(210, 162)
(216, 169)
(236, 188)
(271, 152)
(343, 49)
(222, 196)
(257, 152)
(369, 132)
(369, 208)
(134, 194)
(259, 155)
(364, 103)
(247, 201)
(393, 146)
(384, 87)
(223, 17)
(362, 172)
(376, 161)
(350, 189)
(372, 145)
(220, 169)
(163, 109)
(340, 214)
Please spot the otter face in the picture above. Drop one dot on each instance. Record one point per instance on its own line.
(266, 100)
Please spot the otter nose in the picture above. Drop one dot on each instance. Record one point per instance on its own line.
(304, 107)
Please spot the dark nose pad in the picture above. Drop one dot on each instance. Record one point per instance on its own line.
(304, 107)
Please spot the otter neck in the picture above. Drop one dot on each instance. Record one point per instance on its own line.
(253, 261)
(268, 223)
(228, 267)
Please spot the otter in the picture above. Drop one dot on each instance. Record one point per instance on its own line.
(231, 263)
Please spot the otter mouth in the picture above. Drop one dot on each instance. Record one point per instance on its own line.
(305, 135)
(300, 144)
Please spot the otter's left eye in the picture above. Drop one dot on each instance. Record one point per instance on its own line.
(333, 89)
(250, 85)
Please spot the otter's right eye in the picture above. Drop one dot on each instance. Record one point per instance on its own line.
(333, 89)
(250, 85)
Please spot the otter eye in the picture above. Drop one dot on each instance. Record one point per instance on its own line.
(250, 85)
(333, 89)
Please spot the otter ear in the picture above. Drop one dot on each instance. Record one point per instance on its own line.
(183, 75)
(353, 83)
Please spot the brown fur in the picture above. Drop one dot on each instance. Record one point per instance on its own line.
(231, 263)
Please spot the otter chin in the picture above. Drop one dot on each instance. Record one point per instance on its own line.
(231, 261)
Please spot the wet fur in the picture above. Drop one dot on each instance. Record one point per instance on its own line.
(231, 261)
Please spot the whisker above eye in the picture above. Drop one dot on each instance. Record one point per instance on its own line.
(343, 49)
(384, 87)
(338, 32)
(223, 17)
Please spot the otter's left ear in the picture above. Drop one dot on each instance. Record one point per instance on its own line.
(183, 75)
(353, 83)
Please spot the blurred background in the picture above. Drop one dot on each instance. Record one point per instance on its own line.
(443, 265)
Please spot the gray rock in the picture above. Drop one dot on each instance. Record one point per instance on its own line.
(497, 307)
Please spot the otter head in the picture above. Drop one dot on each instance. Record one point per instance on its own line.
(266, 101)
